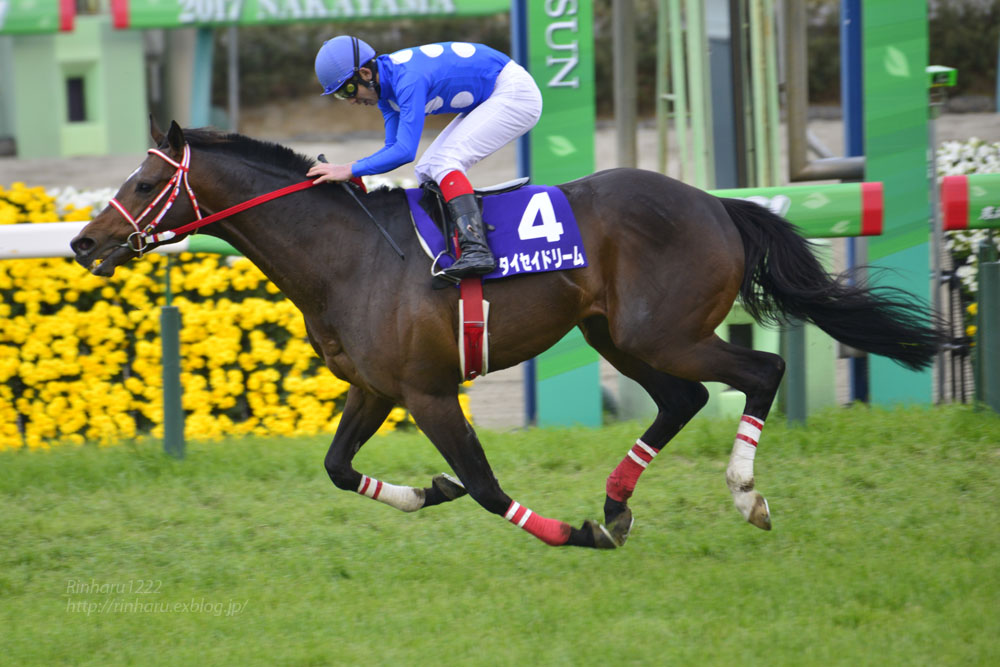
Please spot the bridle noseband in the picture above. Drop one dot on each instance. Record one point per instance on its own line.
(143, 237)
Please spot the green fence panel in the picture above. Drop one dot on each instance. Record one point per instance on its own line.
(822, 211)
(970, 202)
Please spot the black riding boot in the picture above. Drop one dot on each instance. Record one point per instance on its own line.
(476, 258)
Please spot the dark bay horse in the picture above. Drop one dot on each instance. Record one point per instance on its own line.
(666, 263)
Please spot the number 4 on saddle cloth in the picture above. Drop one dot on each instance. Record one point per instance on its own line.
(531, 229)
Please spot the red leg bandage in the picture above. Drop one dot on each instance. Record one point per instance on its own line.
(455, 183)
(550, 531)
(622, 481)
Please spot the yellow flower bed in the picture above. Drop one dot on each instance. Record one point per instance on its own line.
(80, 355)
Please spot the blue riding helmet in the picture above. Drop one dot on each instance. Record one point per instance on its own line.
(339, 59)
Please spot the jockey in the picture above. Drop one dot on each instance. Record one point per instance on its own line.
(495, 98)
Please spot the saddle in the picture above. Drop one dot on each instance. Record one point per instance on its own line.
(432, 201)
(473, 309)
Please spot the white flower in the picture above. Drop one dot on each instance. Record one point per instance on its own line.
(71, 197)
(974, 156)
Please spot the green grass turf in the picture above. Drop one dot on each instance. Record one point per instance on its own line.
(885, 550)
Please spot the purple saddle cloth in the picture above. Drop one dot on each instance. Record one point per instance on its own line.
(535, 231)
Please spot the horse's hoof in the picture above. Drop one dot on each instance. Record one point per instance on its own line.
(621, 526)
(760, 513)
(753, 507)
(602, 538)
(450, 487)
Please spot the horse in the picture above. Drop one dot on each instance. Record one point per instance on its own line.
(666, 263)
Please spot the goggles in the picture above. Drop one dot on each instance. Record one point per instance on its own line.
(348, 91)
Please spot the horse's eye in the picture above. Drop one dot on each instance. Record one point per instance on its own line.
(143, 187)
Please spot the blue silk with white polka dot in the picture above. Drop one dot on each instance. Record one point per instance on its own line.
(450, 77)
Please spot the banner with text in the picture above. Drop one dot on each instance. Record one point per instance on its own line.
(26, 17)
(182, 13)
(561, 59)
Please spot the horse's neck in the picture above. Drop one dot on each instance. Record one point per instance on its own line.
(288, 238)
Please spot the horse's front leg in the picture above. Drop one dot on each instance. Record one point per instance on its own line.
(677, 401)
(363, 414)
(441, 419)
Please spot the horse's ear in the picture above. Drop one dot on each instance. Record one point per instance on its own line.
(175, 136)
(155, 132)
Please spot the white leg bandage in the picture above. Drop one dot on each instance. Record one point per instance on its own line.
(405, 498)
(740, 470)
(739, 474)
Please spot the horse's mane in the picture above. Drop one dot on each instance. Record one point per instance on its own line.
(266, 153)
(253, 150)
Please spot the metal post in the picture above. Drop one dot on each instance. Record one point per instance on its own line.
(173, 413)
(988, 327)
(939, 78)
(742, 110)
(795, 374)
(758, 96)
(633, 401)
(796, 105)
(519, 48)
(937, 239)
(201, 78)
(852, 101)
(624, 65)
(771, 92)
(851, 93)
(701, 110)
(662, 94)
(233, 33)
(678, 77)
(724, 84)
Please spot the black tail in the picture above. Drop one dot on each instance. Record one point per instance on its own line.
(783, 278)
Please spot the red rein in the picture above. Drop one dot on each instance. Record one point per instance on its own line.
(145, 236)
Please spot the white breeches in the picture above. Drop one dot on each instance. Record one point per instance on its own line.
(513, 109)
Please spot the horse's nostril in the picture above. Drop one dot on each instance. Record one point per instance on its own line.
(82, 245)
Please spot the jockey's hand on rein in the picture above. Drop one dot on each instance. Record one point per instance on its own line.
(324, 172)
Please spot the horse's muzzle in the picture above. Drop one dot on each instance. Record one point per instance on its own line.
(101, 259)
(82, 246)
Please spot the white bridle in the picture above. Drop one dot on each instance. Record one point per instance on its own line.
(141, 235)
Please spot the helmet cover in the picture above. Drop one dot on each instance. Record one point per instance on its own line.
(339, 59)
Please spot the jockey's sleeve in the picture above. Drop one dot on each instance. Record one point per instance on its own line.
(403, 128)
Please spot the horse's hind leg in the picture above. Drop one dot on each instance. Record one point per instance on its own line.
(363, 414)
(677, 401)
(440, 418)
(756, 374)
